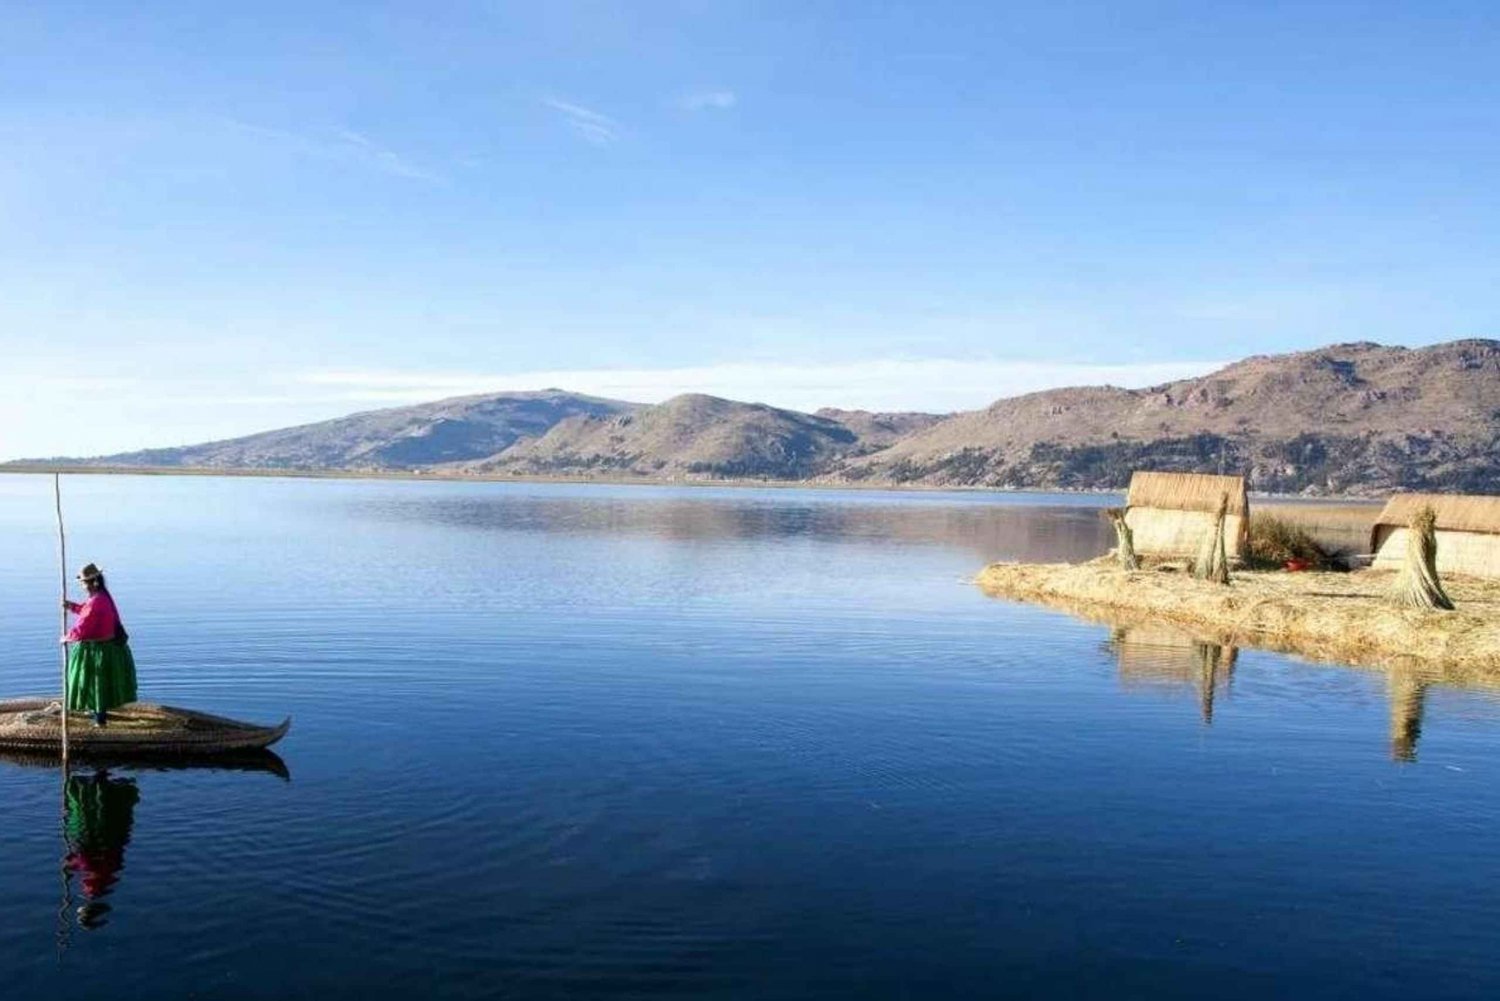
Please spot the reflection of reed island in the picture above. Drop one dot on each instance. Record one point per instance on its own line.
(1159, 655)
(99, 812)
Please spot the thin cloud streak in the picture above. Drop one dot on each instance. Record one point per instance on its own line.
(590, 125)
(385, 159)
(344, 144)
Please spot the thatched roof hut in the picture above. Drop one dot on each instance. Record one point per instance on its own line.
(1171, 513)
(1468, 532)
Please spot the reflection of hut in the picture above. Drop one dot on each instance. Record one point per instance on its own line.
(1468, 532)
(1170, 514)
(1160, 655)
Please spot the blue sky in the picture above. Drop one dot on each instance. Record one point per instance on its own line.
(217, 218)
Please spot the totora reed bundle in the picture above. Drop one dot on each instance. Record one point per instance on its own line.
(1125, 538)
(1213, 560)
(1417, 585)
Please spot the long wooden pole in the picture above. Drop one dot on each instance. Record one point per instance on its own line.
(62, 566)
(64, 925)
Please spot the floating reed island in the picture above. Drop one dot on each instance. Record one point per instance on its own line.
(1190, 554)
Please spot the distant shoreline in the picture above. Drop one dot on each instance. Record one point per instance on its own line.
(37, 469)
(32, 469)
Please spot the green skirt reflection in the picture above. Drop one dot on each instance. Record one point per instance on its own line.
(101, 676)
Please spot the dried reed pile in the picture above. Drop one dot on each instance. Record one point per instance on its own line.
(1342, 530)
(1275, 540)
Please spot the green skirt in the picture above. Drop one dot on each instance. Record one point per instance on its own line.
(101, 675)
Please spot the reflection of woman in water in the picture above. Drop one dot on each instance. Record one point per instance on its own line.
(99, 811)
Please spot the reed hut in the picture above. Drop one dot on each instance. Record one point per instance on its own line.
(1468, 532)
(1170, 514)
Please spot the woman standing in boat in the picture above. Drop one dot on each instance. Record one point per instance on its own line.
(101, 671)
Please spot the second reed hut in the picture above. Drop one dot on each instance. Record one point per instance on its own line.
(1169, 514)
(1468, 532)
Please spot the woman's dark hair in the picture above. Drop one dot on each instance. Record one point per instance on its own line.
(98, 581)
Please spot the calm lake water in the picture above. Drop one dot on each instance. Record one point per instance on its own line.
(587, 741)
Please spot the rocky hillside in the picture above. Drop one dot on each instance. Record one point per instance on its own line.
(402, 438)
(877, 430)
(1344, 419)
(1351, 418)
(691, 435)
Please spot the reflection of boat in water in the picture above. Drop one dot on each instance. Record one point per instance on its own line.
(1157, 654)
(254, 760)
(138, 728)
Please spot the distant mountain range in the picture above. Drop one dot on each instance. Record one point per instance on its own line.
(1345, 419)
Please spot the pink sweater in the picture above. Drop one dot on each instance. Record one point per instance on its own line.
(97, 619)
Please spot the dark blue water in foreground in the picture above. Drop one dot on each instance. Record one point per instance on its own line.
(591, 742)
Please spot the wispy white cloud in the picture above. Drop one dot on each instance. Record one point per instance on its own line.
(341, 144)
(385, 159)
(707, 100)
(590, 125)
(885, 384)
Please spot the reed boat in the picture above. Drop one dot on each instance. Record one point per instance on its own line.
(137, 728)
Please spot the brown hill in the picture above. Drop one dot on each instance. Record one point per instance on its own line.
(400, 438)
(1347, 418)
(690, 435)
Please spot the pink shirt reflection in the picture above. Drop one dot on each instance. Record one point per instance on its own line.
(98, 619)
